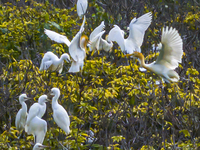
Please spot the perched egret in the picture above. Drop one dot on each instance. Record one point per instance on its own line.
(38, 128)
(20, 119)
(169, 57)
(76, 47)
(96, 40)
(52, 62)
(39, 146)
(60, 115)
(137, 28)
(81, 7)
(37, 109)
(34, 124)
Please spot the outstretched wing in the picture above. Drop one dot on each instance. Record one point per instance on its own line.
(82, 7)
(57, 37)
(75, 50)
(137, 28)
(95, 43)
(172, 48)
(96, 31)
(117, 35)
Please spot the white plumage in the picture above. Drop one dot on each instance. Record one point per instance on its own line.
(34, 124)
(57, 37)
(20, 119)
(76, 47)
(169, 57)
(39, 146)
(52, 62)
(81, 7)
(137, 28)
(96, 40)
(60, 115)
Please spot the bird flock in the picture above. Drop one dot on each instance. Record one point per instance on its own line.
(171, 51)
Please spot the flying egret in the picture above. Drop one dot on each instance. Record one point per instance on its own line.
(60, 115)
(137, 28)
(81, 7)
(20, 119)
(52, 62)
(39, 146)
(76, 47)
(96, 40)
(169, 57)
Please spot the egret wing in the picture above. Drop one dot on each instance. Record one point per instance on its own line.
(95, 43)
(81, 7)
(62, 119)
(33, 112)
(96, 31)
(75, 50)
(57, 37)
(117, 35)
(172, 48)
(137, 28)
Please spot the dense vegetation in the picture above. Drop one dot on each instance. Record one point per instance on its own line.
(122, 106)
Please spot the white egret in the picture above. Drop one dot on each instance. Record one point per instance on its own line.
(60, 115)
(81, 7)
(52, 62)
(20, 119)
(34, 124)
(137, 28)
(96, 40)
(38, 128)
(37, 109)
(169, 57)
(39, 146)
(76, 47)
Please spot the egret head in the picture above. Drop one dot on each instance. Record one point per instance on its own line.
(55, 92)
(136, 54)
(23, 98)
(39, 146)
(66, 57)
(42, 99)
(84, 41)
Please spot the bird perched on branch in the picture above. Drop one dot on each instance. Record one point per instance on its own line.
(96, 40)
(20, 119)
(170, 55)
(76, 47)
(52, 62)
(60, 115)
(34, 124)
(137, 28)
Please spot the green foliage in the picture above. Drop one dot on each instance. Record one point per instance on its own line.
(124, 107)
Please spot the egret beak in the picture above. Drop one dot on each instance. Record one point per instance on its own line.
(43, 146)
(27, 98)
(128, 55)
(50, 96)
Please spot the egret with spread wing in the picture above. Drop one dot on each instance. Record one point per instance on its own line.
(76, 47)
(169, 57)
(137, 28)
(96, 40)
